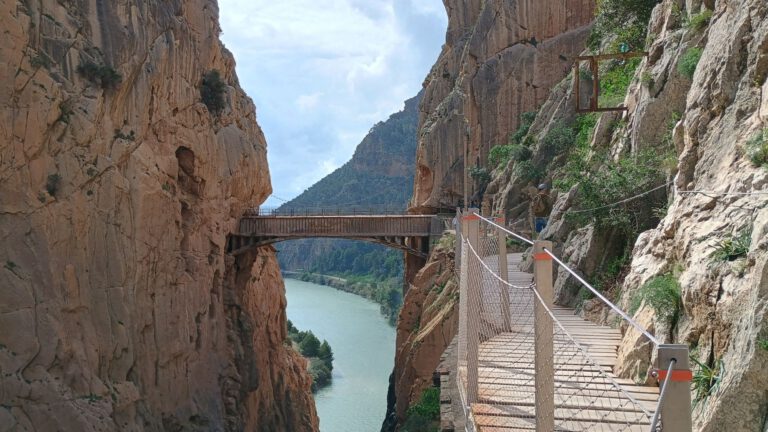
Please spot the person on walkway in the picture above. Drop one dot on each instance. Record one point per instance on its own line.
(541, 207)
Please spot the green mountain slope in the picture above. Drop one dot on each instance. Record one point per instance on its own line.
(380, 174)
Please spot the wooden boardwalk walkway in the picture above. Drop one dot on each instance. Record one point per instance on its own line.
(585, 396)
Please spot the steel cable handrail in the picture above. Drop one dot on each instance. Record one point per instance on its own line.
(518, 236)
(585, 352)
(604, 299)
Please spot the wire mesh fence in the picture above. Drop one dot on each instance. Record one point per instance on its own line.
(527, 364)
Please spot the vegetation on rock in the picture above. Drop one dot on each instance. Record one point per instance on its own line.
(706, 379)
(757, 148)
(516, 149)
(424, 415)
(623, 22)
(700, 21)
(662, 294)
(733, 247)
(103, 75)
(212, 91)
(689, 61)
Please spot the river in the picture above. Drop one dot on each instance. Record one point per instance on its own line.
(363, 345)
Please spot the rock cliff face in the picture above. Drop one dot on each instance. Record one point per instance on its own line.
(428, 322)
(118, 308)
(500, 59)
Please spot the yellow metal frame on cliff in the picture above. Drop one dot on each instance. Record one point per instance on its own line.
(594, 62)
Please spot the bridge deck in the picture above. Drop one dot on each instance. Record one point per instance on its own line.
(585, 399)
(410, 233)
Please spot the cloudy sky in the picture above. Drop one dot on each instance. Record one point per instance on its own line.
(322, 72)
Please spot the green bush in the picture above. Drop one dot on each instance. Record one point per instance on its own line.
(662, 293)
(558, 139)
(706, 379)
(52, 184)
(689, 61)
(624, 21)
(526, 121)
(517, 147)
(212, 91)
(615, 80)
(321, 374)
(757, 148)
(428, 405)
(479, 174)
(734, 247)
(700, 21)
(603, 184)
(103, 75)
(527, 171)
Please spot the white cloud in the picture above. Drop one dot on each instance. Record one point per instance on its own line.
(322, 72)
(308, 102)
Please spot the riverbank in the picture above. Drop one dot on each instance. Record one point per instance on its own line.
(387, 294)
(363, 351)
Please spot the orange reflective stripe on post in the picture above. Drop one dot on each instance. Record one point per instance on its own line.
(542, 256)
(677, 375)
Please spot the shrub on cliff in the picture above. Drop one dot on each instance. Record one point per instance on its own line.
(325, 353)
(516, 149)
(103, 75)
(689, 61)
(662, 294)
(212, 91)
(757, 148)
(624, 21)
(424, 415)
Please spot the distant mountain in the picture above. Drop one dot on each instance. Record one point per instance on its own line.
(380, 173)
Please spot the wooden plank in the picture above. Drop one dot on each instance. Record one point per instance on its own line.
(565, 414)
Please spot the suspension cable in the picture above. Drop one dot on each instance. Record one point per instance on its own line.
(620, 202)
(518, 236)
(702, 192)
(604, 299)
(664, 386)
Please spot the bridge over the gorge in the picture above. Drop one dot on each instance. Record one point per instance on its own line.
(526, 364)
(410, 233)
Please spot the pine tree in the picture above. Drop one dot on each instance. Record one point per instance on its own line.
(326, 354)
(309, 345)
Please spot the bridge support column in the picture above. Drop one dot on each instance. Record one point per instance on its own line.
(544, 359)
(676, 404)
(474, 284)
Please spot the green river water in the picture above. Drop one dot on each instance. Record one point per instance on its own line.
(363, 345)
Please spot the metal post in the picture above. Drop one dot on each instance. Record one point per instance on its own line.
(472, 225)
(543, 330)
(504, 274)
(676, 404)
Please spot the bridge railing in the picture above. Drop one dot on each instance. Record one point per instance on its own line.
(328, 210)
(521, 354)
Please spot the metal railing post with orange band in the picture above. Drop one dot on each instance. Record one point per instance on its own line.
(471, 228)
(676, 401)
(544, 331)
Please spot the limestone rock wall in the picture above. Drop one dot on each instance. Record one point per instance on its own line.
(723, 316)
(500, 59)
(118, 308)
